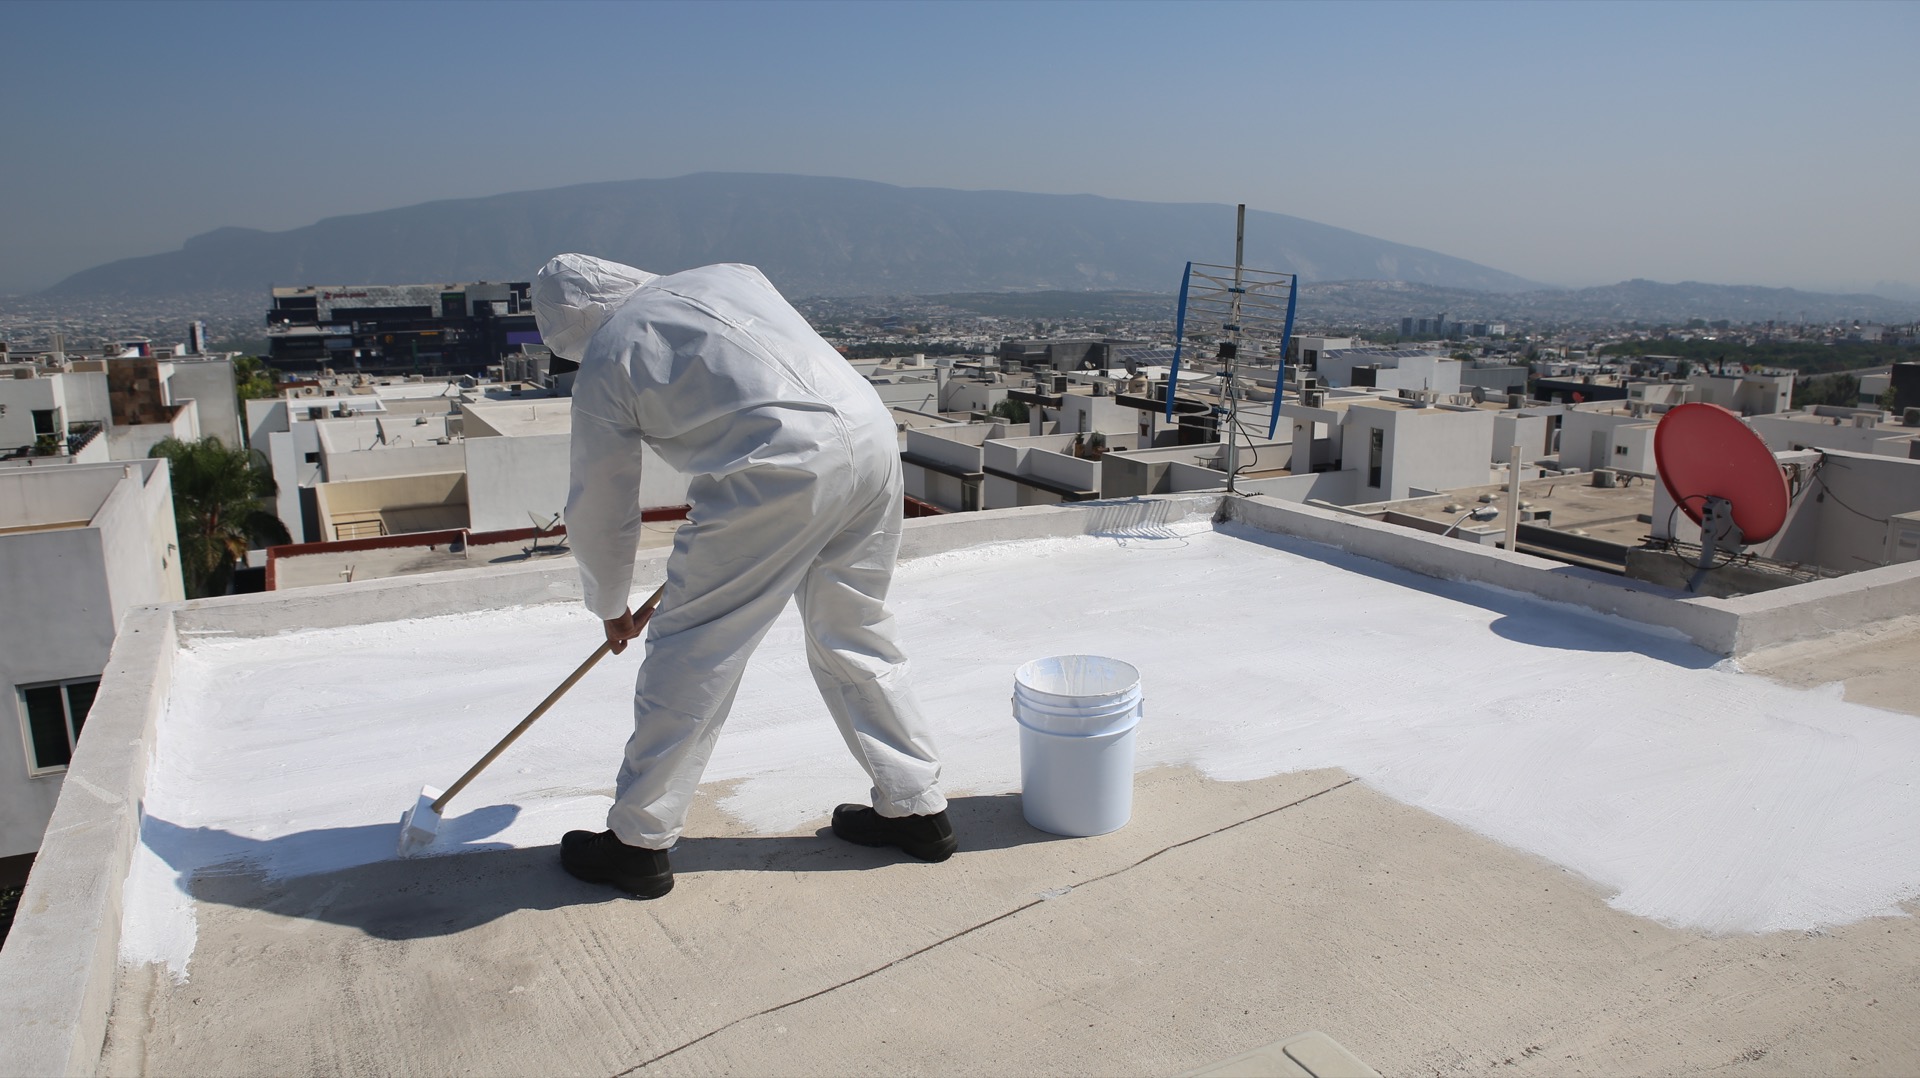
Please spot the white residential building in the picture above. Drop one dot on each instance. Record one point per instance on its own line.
(1355, 448)
(517, 464)
(80, 544)
(1853, 430)
(1611, 434)
(1745, 394)
(1390, 369)
(383, 460)
(126, 404)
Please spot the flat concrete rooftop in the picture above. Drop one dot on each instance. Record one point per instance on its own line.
(522, 418)
(65, 495)
(1457, 827)
(1619, 514)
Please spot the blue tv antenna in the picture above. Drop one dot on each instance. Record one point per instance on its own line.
(1245, 318)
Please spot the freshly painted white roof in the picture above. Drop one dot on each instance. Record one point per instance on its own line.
(1699, 796)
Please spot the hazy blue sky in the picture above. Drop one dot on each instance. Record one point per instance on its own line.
(1572, 144)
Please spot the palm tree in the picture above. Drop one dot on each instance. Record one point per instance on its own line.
(219, 506)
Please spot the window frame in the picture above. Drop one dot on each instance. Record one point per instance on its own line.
(31, 751)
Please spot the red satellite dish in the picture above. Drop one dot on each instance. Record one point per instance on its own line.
(1704, 452)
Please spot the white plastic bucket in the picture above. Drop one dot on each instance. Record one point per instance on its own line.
(1077, 715)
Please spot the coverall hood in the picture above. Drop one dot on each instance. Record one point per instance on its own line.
(574, 295)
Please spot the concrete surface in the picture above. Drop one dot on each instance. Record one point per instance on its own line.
(1610, 513)
(1875, 666)
(1226, 915)
(1307, 1055)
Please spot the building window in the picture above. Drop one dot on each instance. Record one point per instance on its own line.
(1376, 448)
(1619, 450)
(54, 713)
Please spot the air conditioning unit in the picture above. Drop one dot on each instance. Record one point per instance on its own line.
(1903, 538)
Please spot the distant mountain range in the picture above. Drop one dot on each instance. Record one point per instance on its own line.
(1649, 302)
(1381, 304)
(813, 236)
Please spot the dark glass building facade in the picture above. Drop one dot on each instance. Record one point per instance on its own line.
(399, 329)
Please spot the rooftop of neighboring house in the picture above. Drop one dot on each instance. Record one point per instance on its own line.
(519, 419)
(48, 499)
(1569, 503)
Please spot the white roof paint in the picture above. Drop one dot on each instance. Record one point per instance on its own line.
(1702, 797)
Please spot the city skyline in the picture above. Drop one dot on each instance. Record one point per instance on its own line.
(1569, 144)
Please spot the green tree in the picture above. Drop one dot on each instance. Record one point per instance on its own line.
(220, 508)
(1011, 410)
(253, 379)
(1836, 389)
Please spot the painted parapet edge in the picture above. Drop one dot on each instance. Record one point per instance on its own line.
(389, 599)
(59, 969)
(925, 536)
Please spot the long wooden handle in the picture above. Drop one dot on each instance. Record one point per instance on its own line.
(640, 618)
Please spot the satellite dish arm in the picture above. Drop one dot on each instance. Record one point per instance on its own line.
(1179, 338)
(1280, 374)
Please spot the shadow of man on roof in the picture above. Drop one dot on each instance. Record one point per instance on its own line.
(478, 882)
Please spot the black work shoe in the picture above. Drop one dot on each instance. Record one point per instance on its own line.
(930, 838)
(603, 858)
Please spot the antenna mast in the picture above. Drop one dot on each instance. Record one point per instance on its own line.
(1248, 316)
(1230, 349)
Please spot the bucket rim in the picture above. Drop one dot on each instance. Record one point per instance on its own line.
(1020, 683)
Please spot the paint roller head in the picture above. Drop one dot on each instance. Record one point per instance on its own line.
(419, 824)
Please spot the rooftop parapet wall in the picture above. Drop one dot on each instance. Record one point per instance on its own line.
(35, 498)
(57, 971)
(1730, 627)
(1699, 620)
(1823, 607)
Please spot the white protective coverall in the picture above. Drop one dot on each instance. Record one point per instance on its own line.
(795, 491)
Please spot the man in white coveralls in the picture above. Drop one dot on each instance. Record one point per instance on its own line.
(795, 493)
